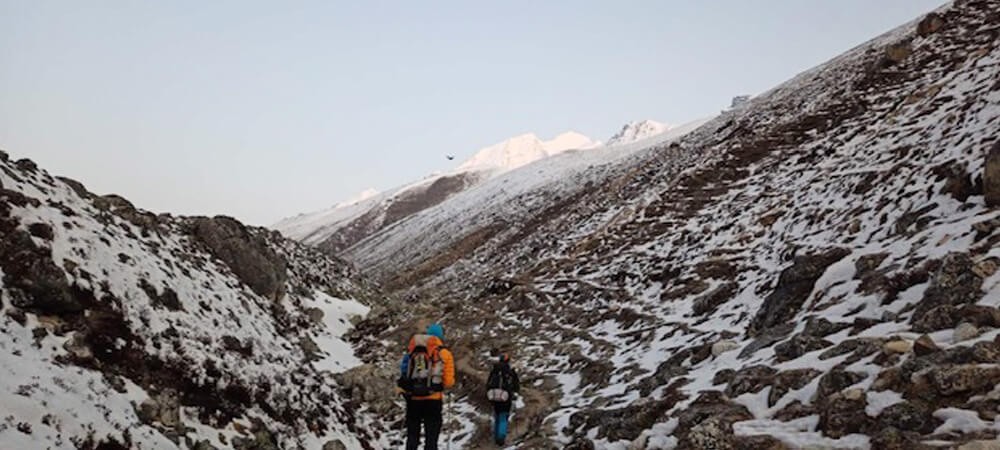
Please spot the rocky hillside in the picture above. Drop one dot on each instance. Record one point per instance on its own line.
(817, 268)
(122, 329)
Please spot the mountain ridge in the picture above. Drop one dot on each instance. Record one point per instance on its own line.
(156, 331)
(337, 228)
(806, 270)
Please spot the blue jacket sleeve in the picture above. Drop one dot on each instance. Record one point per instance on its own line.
(403, 363)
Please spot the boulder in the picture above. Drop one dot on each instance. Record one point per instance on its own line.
(820, 327)
(723, 346)
(246, 254)
(621, 423)
(766, 339)
(924, 345)
(759, 443)
(986, 352)
(858, 347)
(310, 349)
(986, 227)
(708, 422)
(77, 187)
(315, 315)
(580, 443)
(164, 411)
(334, 445)
(952, 284)
(750, 379)
(674, 366)
(897, 53)
(370, 386)
(799, 345)
(78, 349)
(262, 439)
(204, 445)
(986, 268)
(712, 433)
(991, 176)
(795, 410)
(41, 230)
(897, 346)
(835, 381)
(794, 286)
(980, 315)
(723, 376)
(843, 414)
(930, 24)
(790, 380)
(26, 165)
(119, 206)
(889, 438)
(907, 416)
(28, 269)
(957, 183)
(868, 263)
(710, 301)
(992, 444)
(937, 318)
(965, 331)
(963, 379)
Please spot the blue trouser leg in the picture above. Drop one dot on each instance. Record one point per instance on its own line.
(500, 426)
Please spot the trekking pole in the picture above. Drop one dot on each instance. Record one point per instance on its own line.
(510, 418)
(448, 399)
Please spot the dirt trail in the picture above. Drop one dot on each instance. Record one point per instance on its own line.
(539, 399)
(527, 424)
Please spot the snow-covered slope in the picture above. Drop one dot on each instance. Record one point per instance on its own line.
(505, 205)
(349, 222)
(522, 150)
(637, 131)
(815, 269)
(125, 329)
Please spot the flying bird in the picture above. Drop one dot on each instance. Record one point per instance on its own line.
(450, 157)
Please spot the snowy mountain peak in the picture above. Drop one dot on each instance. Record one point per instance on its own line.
(524, 149)
(362, 196)
(635, 131)
(570, 140)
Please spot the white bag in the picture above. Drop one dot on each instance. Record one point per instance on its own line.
(497, 395)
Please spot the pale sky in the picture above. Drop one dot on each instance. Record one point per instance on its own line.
(262, 110)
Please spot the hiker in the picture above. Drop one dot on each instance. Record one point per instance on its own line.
(427, 369)
(501, 388)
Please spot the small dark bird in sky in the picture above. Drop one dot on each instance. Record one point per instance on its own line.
(450, 157)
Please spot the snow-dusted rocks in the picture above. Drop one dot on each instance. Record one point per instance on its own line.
(821, 228)
(120, 328)
(964, 331)
(637, 131)
(723, 346)
(991, 176)
(897, 346)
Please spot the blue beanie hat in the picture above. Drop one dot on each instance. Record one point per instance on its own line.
(435, 329)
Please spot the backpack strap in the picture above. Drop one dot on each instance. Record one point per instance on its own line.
(431, 343)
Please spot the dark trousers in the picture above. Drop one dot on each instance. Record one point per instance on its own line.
(427, 412)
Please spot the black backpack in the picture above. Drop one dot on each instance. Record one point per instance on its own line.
(424, 368)
(501, 384)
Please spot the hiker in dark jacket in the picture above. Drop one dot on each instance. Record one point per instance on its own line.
(501, 388)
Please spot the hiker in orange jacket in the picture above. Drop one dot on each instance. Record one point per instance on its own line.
(426, 370)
